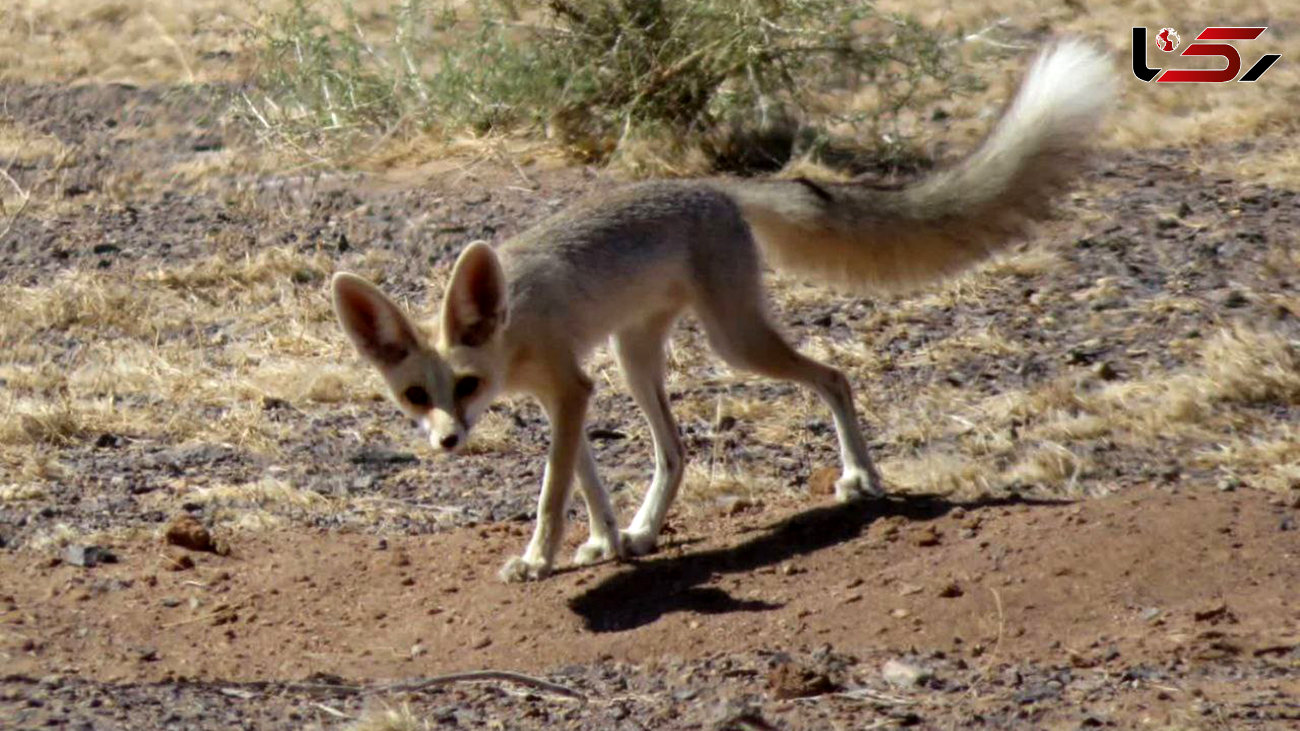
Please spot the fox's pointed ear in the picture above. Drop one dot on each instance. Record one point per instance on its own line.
(475, 306)
(379, 328)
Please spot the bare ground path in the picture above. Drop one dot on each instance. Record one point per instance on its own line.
(1195, 589)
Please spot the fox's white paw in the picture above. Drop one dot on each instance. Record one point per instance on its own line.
(598, 549)
(638, 542)
(858, 485)
(521, 568)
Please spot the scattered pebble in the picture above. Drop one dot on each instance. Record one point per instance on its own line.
(88, 557)
(951, 590)
(187, 532)
(903, 674)
(789, 680)
(927, 536)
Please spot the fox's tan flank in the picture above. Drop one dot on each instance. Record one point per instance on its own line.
(625, 266)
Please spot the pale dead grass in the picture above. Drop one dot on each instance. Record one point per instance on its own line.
(132, 41)
(267, 491)
(21, 493)
(180, 354)
(22, 146)
(1207, 404)
(1147, 115)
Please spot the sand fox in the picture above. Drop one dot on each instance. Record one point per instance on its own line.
(625, 265)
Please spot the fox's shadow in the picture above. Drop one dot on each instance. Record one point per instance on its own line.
(654, 587)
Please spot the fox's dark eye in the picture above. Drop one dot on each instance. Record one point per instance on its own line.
(465, 387)
(417, 396)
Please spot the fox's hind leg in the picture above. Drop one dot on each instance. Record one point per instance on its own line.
(640, 352)
(739, 331)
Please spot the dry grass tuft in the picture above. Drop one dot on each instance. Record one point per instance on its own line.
(1244, 365)
(125, 41)
(175, 354)
(261, 505)
(21, 493)
(938, 472)
(964, 446)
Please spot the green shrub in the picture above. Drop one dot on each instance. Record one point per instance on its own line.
(725, 77)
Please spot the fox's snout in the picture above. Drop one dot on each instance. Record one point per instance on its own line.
(445, 434)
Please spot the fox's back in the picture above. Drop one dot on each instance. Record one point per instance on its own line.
(612, 257)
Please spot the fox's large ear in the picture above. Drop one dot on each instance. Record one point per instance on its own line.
(475, 306)
(379, 329)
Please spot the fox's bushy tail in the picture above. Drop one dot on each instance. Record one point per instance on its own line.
(868, 238)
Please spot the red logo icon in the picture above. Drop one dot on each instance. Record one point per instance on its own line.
(1167, 40)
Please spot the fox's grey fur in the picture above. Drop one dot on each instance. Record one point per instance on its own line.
(626, 265)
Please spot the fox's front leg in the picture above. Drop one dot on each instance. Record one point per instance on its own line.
(566, 408)
(605, 541)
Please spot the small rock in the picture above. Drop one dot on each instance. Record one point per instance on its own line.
(734, 504)
(788, 680)
(1233, 299)
(1215, 614)
(927, 536)
(1105, 371)
(686, 694)
(733, 714)
(88, 557)
(187, 532)
(370, 456)
(905, 719)
(480, 642)
(1229, 484)
(178, 562)
(902, 674)
(951, 590)
(109, 441)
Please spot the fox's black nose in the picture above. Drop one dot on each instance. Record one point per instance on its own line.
(450, 441)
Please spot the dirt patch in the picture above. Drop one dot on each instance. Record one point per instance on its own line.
(1181, 581)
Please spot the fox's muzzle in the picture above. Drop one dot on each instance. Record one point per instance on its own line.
(446, 433)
